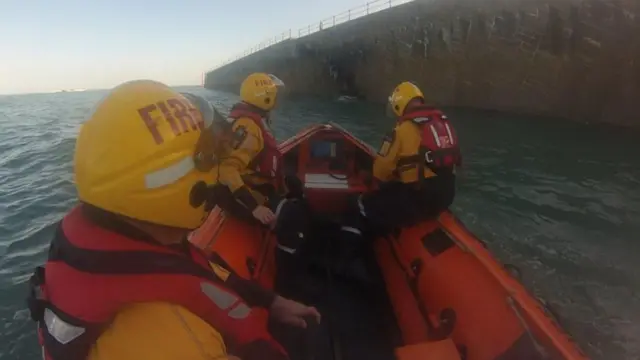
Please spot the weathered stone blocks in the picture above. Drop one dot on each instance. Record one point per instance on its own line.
(568, 58)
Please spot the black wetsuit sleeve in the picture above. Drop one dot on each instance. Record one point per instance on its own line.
(250, 291)
(244, 196)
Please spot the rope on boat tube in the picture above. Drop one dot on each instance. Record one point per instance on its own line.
(546, 306)
(539, 348)
(553, 312)
(549, 309)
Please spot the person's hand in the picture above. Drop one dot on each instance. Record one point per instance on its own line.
(264, 214)
(292, 313)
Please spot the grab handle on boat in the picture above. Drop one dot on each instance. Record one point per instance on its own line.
(513, 270)
(447, 320)
(447, 317)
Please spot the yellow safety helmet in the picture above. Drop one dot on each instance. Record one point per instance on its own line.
(143, 153)
(261, 90)
(402, 95)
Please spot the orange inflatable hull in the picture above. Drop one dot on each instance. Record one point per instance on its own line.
(450, 298)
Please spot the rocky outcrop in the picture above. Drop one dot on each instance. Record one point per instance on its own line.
(568, 58)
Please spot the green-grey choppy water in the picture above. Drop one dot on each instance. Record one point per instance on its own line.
(559, 200)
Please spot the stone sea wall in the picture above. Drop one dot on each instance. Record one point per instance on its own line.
(578, 59)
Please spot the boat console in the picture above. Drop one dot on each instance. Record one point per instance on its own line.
(330, 166)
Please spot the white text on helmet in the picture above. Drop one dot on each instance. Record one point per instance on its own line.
(180, 117)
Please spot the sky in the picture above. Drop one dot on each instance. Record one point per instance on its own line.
(50, 45)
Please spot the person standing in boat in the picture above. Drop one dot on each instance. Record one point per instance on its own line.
(251, 179)
(414, 168)
(121, 280)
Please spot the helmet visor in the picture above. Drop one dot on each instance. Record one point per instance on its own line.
(213, 139)
(280, 90)
(276, 81)
(389, 109)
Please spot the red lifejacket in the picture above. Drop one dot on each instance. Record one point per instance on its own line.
(93, 272)
(268, 162)
(439, 140)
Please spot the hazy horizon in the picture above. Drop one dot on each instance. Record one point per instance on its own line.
(83, 90)
(74, 44)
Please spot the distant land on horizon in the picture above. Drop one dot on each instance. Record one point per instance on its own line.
(72, 90)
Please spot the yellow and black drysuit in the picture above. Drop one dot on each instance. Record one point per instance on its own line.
(410, 189)
(251, 174)
(415, 183)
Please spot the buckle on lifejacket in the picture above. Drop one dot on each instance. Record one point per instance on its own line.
(427, 157)
(35, 300)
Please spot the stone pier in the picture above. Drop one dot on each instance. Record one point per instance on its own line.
(577, 59)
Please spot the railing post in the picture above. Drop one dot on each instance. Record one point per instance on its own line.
(367, 8)
(309, 29)
(389, 3)
(289, 33)
(334, 20)
(349, 13)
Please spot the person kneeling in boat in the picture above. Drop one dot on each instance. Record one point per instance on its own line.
(414, 169)
(251, 178)
(121, 280)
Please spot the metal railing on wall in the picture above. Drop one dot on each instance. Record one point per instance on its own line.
(346, 16)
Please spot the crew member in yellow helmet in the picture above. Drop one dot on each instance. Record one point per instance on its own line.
(252, 180)
(121, 281)
(414, 169)
(252, 172)
(416, 164)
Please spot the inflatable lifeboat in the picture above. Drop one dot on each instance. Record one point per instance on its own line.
(431, 291)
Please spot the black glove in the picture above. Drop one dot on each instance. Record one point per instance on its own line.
(295, 188)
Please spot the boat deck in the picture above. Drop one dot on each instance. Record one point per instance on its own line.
(357, 322)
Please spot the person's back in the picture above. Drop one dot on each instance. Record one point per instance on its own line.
(414, 170)
(396, 159)
(419, 158)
